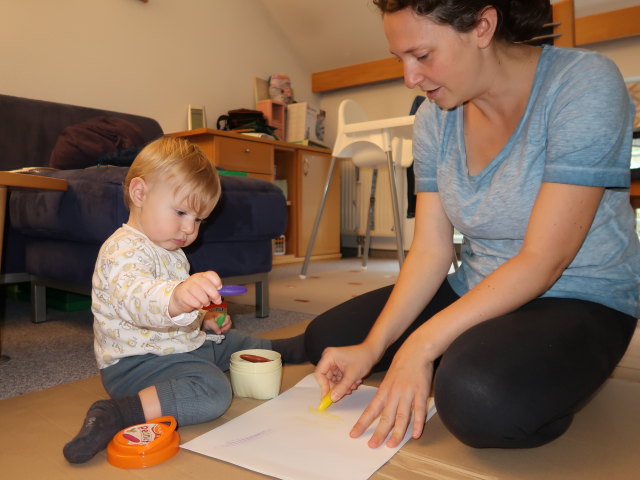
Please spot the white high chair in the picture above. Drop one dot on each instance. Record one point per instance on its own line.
(369, 144)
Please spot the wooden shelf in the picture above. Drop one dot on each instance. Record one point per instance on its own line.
(608, 26)
(303, 167)
(292, 259)
(16, 180)
(354, 75)
(284, 259)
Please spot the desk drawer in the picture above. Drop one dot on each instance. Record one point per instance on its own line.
(243, 155)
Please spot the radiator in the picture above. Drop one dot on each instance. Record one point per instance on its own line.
(354, 202)
(355, 192)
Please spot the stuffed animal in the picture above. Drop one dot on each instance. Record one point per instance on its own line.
(280, 89)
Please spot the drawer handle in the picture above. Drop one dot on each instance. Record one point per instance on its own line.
(247, 150)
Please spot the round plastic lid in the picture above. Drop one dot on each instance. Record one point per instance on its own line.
(145, 444)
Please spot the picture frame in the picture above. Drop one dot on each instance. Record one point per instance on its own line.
(196, 117)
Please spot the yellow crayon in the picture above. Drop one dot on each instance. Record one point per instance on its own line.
(325, 402)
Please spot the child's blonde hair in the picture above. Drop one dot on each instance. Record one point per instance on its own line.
(184, 165)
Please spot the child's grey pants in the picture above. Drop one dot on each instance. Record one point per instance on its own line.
(191, 386)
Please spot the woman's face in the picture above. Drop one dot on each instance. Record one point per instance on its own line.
(437, 59)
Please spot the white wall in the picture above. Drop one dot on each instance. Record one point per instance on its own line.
(150, 58)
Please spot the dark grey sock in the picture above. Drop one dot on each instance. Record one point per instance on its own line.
(104, 419)
(292, 349)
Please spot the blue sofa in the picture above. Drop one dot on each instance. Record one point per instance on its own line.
(54, 237)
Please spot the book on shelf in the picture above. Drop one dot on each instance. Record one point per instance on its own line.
(310, 143)
(259, 135)
(232, 173)
(304, 122)
(260, 89)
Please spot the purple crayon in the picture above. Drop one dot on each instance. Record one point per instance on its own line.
(230, 290)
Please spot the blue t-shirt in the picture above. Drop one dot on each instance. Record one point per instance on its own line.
(576, 130)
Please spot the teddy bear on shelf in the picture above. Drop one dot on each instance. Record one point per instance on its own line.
(280, 89)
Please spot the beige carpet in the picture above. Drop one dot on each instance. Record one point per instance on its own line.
(61, 350)
(327, 284)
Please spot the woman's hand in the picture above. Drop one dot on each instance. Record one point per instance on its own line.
(341, 369)
(405, 389)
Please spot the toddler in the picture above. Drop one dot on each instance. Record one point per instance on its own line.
(158, 353)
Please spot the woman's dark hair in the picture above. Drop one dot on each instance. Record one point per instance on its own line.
(519, 20)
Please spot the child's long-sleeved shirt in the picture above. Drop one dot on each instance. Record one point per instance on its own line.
(132, 285)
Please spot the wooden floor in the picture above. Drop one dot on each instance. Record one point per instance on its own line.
(602, 443)
(629, 367)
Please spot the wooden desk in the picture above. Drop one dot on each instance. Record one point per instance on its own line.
(19, 180)
(303, 167)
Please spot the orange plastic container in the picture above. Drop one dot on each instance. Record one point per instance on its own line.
(145, 444)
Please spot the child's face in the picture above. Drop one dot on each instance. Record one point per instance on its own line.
(165, 219)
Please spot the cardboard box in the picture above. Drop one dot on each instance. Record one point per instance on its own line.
(304, 122)
(602, 443)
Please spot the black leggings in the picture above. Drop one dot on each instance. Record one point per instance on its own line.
(514, 381)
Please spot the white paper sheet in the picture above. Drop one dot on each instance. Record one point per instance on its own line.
(289, 439)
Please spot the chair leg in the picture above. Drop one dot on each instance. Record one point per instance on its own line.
(314, 232)
(262, 298)
(396, 207)
(38, 302)
(261, 281)
(370, 217)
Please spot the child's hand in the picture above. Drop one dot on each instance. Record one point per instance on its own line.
(210, 322)
(197, 291)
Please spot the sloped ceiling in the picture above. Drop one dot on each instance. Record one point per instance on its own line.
(328, 34)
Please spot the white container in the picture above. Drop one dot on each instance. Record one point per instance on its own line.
(256, 380)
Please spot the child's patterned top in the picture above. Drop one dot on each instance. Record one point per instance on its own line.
(132, 285)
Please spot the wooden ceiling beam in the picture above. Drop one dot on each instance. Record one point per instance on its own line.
(354, 75)
(563, 14)
(608, 25)
(579, 31)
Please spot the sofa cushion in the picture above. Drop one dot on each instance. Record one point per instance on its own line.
(93, 208)
(249, 209)
(89, 211)
(81, 144)
(73, 262)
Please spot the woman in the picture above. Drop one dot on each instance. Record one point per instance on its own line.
(525, 151)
